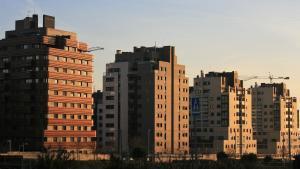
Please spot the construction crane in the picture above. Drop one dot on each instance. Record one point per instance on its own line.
(270, 77)
(95, 48)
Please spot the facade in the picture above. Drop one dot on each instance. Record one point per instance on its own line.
(45, 88)
(98, 110)
(275, 120)
(145, 103)
(220, 115)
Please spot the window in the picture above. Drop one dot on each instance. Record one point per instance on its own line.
(109, 88)
(109, 106)
(64, 59)
(109, 125)
(109, 97)
(109, 116)
(55, 81)
(109, 134)
(5, 59)
(28, 81)
(55, 92)
(64, 116)
(109, 79)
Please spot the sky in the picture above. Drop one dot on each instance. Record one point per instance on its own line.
(253, 37)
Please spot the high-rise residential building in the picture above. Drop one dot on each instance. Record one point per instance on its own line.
(220, 115)
(145, 102)
(45, 88)
(275, 120)
(98, 111)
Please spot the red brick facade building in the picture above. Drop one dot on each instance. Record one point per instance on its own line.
(45, 88)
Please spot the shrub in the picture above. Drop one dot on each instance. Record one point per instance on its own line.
(249, 157)
(222, 156)
(268, 158)
(138, 153)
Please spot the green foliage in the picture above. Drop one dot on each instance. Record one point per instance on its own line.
(249, 157)
(268, 159)
(222, 156)
(59, 159)
(138, 153)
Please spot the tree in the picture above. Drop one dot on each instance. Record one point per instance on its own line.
(249, 157)
(268, 159)
(222, 156)
(55, 159)
(138, 153)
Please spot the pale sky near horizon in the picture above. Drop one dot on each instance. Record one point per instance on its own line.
(253, 37)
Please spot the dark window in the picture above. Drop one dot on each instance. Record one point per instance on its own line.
(110, 106)
(109, 97)
(110, 116)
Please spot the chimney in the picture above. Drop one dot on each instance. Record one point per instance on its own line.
(202, 74)
(48, 21)
(119, 52)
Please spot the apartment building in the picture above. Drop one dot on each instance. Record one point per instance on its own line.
(45, 88)
(220, 115)
(275, 120)
(145, 102)
(98, 110)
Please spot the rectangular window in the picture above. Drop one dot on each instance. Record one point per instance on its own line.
(109, 97)
(109, 88)
(110, 106)
(109, 116)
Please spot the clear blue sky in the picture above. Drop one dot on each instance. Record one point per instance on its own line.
(253, 37)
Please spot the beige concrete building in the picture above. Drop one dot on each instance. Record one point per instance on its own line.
(274, 114)
(220, 120)
(145, 103)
